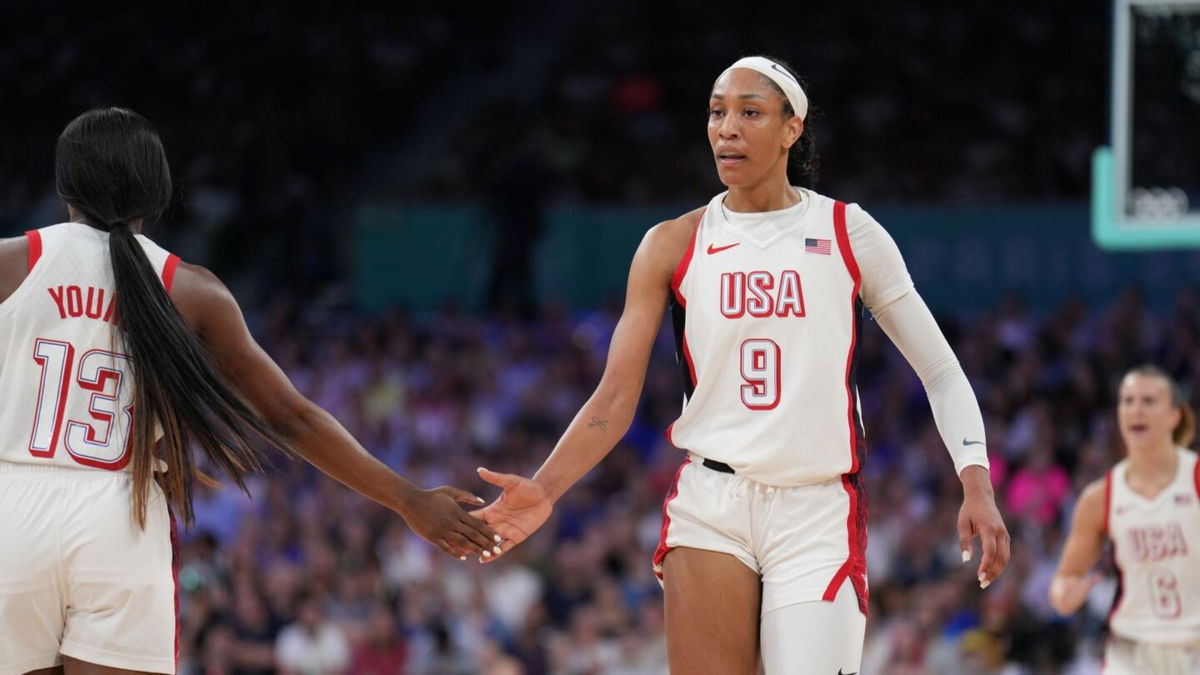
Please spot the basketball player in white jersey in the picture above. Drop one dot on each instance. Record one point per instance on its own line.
(763, 537)
(1148, 506)
(114, 358)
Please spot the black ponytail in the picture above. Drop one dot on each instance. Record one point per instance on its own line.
(802, 161)
(110, 165)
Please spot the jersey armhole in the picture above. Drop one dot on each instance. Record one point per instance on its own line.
(685, 262)
(35, 247)
(843, 240)
(1196, 476)
(168, 272)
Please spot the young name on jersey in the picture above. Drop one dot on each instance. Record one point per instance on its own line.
(99, 304)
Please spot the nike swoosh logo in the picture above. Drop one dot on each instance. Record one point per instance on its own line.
(965, 443)
(717, 249)
(777, 68)
(841, 673)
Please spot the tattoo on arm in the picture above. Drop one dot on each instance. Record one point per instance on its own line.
(597, 422)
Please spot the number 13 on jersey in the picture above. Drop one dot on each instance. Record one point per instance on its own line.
(761, 365)
(104, 445)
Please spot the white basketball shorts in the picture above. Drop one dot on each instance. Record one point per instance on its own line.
(77, 575)
(805, 542)
(1132, 657)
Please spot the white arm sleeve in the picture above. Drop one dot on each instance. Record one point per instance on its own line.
(911, 327)
(887, 290)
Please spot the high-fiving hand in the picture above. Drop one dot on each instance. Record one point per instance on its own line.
(436, 516)
(518, 512)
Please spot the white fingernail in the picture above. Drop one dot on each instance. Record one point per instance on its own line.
(462, 557)
(498, 538)
(498, 550)
(966, 556)
(487, 554)
(985, 584)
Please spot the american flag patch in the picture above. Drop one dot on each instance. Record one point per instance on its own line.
(818, 246)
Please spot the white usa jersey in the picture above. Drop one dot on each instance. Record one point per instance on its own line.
(767, 310)
(67, 386)
(1155, 548)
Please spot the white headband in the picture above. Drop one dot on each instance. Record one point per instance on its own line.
(780, 76)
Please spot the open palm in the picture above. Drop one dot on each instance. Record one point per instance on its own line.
(518, 512)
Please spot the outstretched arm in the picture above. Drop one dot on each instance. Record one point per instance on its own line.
(208, 306)
(607, 415)
(1071, 583)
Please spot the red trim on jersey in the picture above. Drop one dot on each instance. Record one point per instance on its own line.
(677, 279)
(1120, 596)
(687, 355)
(35, 247)
(661, 552)
(1196, 477)
(168, 273)
(843, 239)
(685, 262)
(855, 565)
(667, 433)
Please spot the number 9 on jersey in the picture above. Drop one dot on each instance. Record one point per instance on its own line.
(760, 370)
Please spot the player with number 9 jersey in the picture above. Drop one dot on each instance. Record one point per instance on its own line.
(763, 541)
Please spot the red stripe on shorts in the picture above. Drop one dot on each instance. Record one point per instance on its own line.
(661, 552)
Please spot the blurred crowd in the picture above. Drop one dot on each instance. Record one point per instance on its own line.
(307, 577)
(270, 114)
(285, 119)
(968, 102)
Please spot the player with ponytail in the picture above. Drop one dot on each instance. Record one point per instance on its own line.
(116, 359)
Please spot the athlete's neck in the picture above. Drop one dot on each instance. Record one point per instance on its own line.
(769, 195)
(1152, 469)
(76, 217)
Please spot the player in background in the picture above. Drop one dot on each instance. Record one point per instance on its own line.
(115, 358)
(1148, 506)
(764, 539)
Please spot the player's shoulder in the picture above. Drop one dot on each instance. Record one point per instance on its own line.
(197, 280)
(1095, 490)
(683, 226)
(858, 219)
(197, 291)
(1093, 501)
(14, 264)
(12, 249)
(668, 241)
